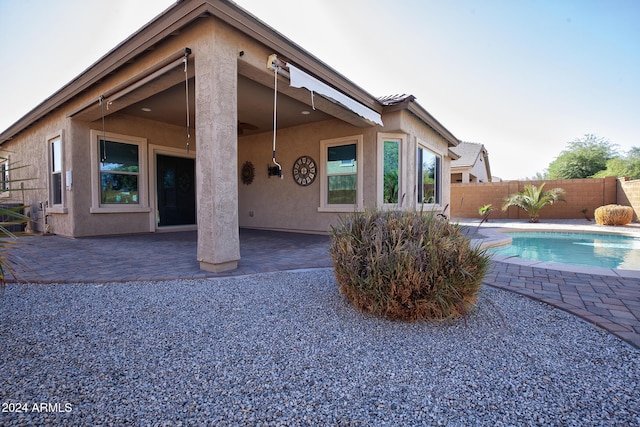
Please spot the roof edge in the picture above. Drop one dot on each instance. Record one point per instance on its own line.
(409, 103)
(176, 16)
(425, 116)
(110, 61)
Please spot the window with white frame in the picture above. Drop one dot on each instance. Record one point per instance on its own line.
(55, 170)
(4, 176)
(390, 169)
(118, 173)
(341, 174)
(429, 171)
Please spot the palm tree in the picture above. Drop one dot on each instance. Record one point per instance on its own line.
(532, 199)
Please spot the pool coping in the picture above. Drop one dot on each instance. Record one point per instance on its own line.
(493, 233)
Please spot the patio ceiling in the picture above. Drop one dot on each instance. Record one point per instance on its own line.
(255, 107)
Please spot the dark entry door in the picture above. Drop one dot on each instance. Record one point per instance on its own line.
(176, 190)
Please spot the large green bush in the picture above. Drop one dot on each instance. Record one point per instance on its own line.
(406, 265)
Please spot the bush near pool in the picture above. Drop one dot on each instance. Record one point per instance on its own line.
(613, 215)
(406, 265)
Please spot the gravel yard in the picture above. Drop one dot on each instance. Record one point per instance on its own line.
(286, 349)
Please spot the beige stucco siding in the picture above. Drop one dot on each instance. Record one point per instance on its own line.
(281, 203)
(155, 133)
(29, 160)
(30, 148)
(418, 133)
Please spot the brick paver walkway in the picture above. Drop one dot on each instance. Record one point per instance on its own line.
(612, 303)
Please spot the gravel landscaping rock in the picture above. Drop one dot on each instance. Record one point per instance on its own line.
(287, 349)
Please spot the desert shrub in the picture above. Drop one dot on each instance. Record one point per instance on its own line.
(614, 215)
(12, 218)
(533, 199)
(485, 211)
(406, 265)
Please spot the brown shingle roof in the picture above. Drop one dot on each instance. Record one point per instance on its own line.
(395, 99)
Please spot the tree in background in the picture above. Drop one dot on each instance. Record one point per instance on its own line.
(583, 158)
(623, 166)
(539, 176)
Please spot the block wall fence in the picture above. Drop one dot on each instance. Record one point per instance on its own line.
(588, 193)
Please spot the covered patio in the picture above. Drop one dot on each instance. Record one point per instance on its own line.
(159, 256)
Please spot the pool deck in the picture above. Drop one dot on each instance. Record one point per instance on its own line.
(608, 298)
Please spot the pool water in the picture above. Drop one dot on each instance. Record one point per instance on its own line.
(594, 250)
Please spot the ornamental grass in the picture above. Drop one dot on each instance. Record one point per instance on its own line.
(613, 215)
(406, 265)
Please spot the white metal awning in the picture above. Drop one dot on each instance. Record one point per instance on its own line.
(300, 79)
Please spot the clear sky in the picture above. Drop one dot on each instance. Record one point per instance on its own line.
(522, 77)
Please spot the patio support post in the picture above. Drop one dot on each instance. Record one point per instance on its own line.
(216, 154)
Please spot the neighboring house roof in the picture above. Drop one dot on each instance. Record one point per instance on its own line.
(181, 15)
(469, 154)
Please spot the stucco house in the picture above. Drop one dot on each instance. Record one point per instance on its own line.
(173, 129)
(472, 164)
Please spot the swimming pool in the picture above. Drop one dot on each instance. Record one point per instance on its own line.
(594, 250)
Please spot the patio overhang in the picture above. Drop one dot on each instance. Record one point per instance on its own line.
(161, 76)
(169, 24)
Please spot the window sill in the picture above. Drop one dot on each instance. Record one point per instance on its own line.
(120, 209)
(57, 210)
(430, 208)
(391, 207)
(344, 208)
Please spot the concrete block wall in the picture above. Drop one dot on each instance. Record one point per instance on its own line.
(629, 195)
(588, 193)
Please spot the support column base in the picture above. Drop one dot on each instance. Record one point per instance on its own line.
(219, 267)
